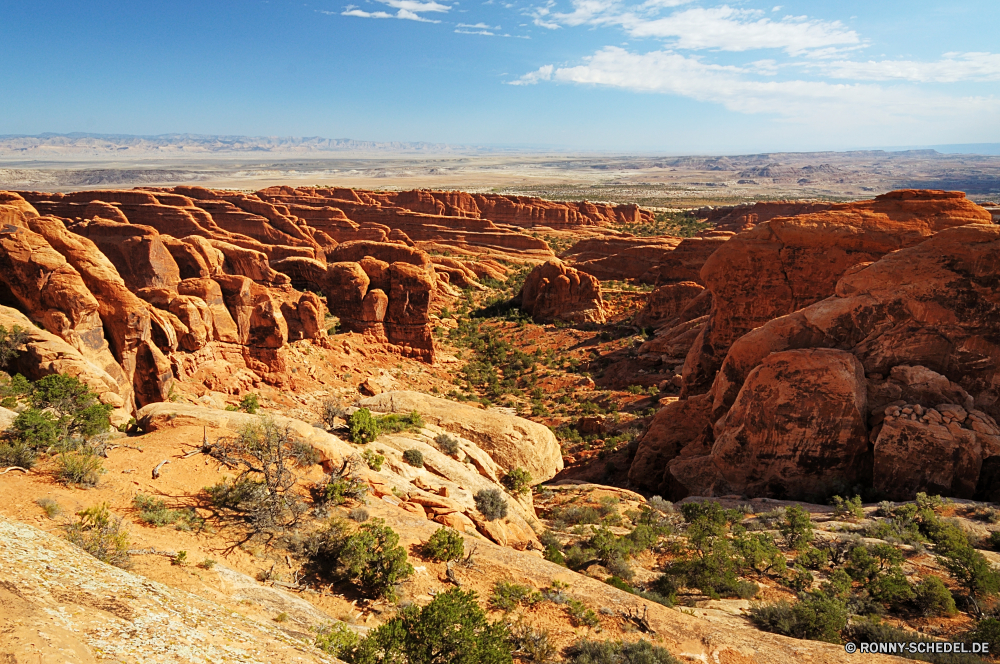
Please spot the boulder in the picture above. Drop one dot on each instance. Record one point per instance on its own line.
(797, 428)
(510, 441)
(555, 291)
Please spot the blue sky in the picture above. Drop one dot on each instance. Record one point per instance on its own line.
(675, 76)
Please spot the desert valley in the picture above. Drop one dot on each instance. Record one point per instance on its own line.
(318, 423)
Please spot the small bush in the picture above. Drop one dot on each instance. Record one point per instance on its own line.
(36, 429)
(154, 511)
(447, 444)
(396, 423)
(179, 559)
(341, 489)
(414, 457)
(533, 645)
(849, 510)
(336, 639)
(815, 616)
(373, 558)
(507, 596)
(444, 545)
(18, 453)
(50, 507)
(363, 426)
(101, 534)
(518, 481)
(80, 468)
(452, 628)
(250, 403)
(374, 460)
(933, 598)
(813, 558)
(359, 514)
(796, 527)
(618, 652)
(581, 615)
(491, 504)
(207, 563)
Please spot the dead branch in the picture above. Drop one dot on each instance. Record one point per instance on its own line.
(4, 472)
(450, 575)
(639, 621)
(156, 471)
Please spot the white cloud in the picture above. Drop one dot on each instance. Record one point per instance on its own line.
(952, 68)
(476, 32)
(409, 10)
(810, 102)
(478, 26)
(719, 28)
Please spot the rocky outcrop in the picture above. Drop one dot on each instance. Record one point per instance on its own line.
(791, 262)
(647, 260)
(918, 322)
(673, 303)
(555, 291)
(510, 441)
(739, 218)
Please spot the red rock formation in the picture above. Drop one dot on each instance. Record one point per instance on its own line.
(648, 260)
(555, 291)
(668, 304)
(738, 218)
(791, 262)
(922, 325)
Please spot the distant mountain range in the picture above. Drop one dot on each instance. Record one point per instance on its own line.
(180, 144)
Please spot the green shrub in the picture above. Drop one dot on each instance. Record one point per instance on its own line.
(867, 630)
(796, 527)
(933, 598)
(373, 558)
(581, 615)
(414, 457)
(759, 554)
(813, 558)
(101, 534)
(491, 504)
(444, 545)
(18, 453)
(815, 616)
(507, 596)
(971, 569)
(396, 423)
(80, 411)
(363, 426)
(37, 428)
(250, 403)
(154, 511)
(572, 516)
(336, 639)
(80, 468)
(10, 341)
(618, 652)
(447, 444)
(987, 630)
(341, 489)
(373, 459)
(452, 628)
(849, 510)
(517, 481)
(51, 508)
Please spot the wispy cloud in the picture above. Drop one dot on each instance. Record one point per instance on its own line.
(721, 28)
(409, 10)
(479, 26)
(734, 87)
(952, 68)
